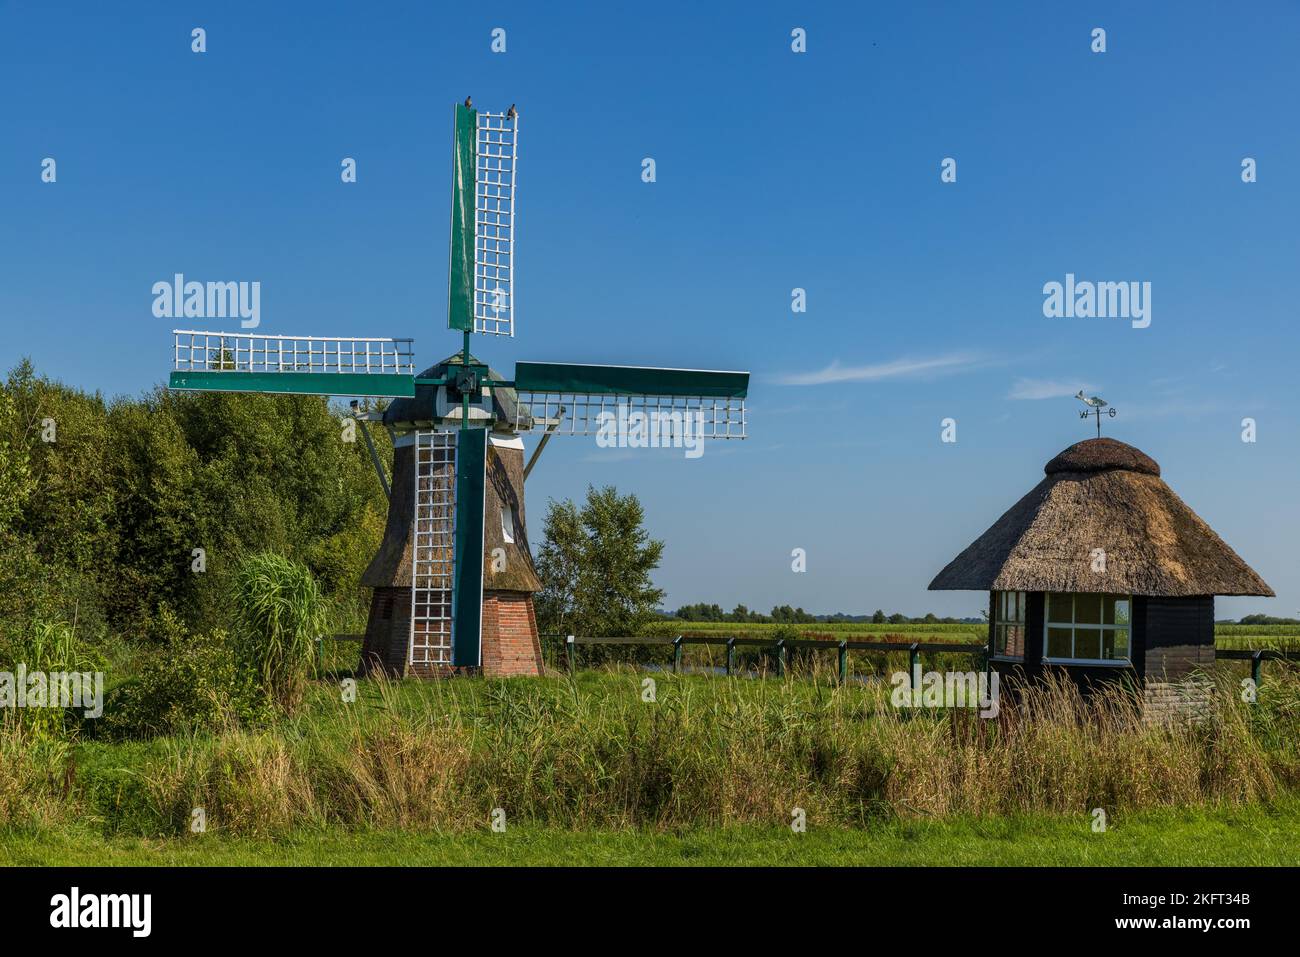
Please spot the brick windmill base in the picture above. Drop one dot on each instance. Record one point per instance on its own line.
(510, 641)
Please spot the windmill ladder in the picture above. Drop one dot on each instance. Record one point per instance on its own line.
(432, 550)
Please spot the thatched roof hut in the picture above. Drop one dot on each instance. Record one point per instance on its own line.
(1103, 573)
(1102, 494)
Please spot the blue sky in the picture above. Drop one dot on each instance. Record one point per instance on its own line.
(775, 170)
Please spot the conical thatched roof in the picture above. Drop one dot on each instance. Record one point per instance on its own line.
(1102, 494)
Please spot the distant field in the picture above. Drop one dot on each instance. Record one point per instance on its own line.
(838, 630)
(1225, 636)
(1257, 636)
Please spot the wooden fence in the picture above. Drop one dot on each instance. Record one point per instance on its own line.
(914, 649)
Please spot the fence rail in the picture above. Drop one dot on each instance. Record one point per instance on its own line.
(914, 649)
(1257, 657)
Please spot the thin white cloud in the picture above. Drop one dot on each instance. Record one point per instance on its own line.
(894, 369)
(1181, 408)
(1046, 389)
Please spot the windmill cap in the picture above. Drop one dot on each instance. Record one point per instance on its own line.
(1100, 455)
(411, 412)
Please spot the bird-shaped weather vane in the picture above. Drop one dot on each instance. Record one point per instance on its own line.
(1095, 404)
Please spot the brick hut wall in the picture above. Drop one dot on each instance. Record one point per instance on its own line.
(1177, 657)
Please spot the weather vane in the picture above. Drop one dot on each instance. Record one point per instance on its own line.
(1095, 404)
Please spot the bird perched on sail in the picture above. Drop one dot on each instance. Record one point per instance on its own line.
(1096, 401)
(469, 104)
(510, 113)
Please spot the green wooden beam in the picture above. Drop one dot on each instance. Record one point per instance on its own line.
(629, 380)
(297, 383)
(467, 572)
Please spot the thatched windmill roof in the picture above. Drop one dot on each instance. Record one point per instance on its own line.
(391, 566)
(1102, 494)
(419, 412)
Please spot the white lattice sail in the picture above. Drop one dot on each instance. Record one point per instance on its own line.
(494, 223)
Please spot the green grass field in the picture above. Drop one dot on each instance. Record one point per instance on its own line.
(589, 772)
(1254, 836)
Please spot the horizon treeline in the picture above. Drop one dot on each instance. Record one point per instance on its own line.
(784, 614)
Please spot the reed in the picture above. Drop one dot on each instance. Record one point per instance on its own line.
(592, 754)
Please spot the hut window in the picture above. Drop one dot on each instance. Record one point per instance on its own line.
(1087, 627)
(1009, 626)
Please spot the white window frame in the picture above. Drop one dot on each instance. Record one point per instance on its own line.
(509, 520)
(1023, 603)
(1125, 662)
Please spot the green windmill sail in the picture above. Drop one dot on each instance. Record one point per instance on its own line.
(649, 405)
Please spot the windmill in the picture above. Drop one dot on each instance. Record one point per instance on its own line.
(458, 423)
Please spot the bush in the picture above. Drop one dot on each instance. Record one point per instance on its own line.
(193, 683)
(281, 613)
(48, 647)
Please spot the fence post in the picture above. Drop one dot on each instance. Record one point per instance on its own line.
(677, 655)
(780, 657)
(844, 661)
(1257, 668)
(571, 652)
(913, 660)
(731, 655)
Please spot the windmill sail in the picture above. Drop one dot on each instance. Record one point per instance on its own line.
(297, 365)
(481, 289)
(447, 549)
(574, 399)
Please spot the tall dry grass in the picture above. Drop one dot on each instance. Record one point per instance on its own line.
(443, 755)
(36, 774)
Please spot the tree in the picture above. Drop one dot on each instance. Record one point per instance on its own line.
(782, 614)
(595, 566)
(700, 612)
(102, 504)
(15, 473)
(878, 617)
